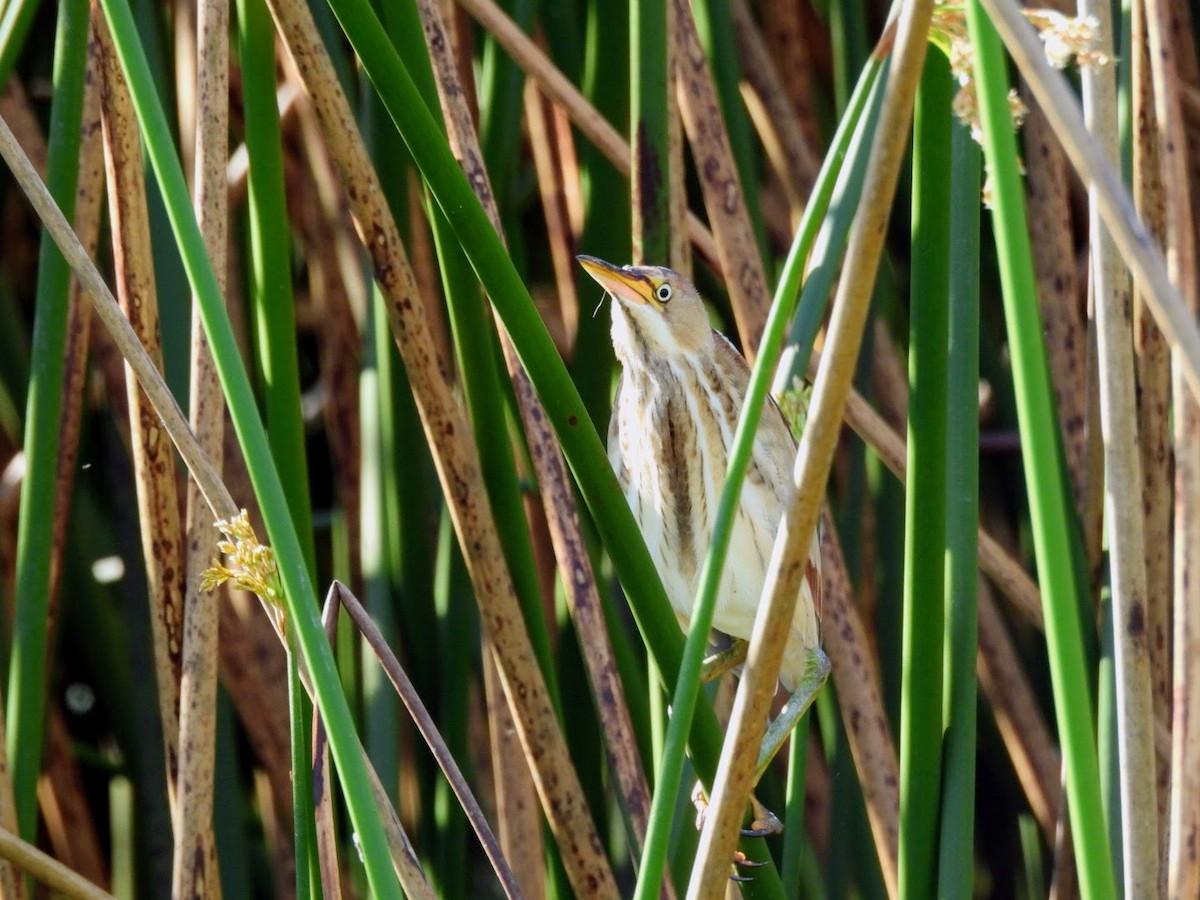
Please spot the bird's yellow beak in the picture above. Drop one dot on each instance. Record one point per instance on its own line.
(620, 281)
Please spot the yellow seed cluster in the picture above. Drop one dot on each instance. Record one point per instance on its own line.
(250, 566)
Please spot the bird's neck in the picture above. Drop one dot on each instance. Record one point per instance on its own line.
(637, 347)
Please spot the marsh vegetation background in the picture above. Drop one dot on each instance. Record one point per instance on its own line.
(342, 242)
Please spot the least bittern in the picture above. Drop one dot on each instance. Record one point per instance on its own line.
(676, 411)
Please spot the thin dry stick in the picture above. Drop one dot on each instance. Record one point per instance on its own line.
(158, 502)
(1138, 249)
(195, 872)
(455, 456)
(856, 677)
(719, 181)
(323, 807)
(1183, 863)
(1154, 400)
(558, 496)
(555, 85)
(1118, 416)
(47, 869)
(340, 594)
(814, 458)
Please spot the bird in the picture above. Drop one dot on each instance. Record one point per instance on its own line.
(676, 410)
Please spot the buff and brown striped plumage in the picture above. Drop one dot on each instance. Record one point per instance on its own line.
(682, 388)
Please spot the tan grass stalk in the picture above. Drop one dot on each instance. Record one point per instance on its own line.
(153, 462)
(1154, 400)
(195, 872)
(47, 869)
(1169, 31)
(455, 458)
(814, 458)
(718, 175)
(1118, 412)
(855, 672)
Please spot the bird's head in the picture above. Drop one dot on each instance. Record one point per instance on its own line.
(658, 311)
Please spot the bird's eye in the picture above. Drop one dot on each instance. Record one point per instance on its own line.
(663, 293)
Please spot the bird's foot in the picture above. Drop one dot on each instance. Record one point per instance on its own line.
(763, 824)
(816, 672)
(724, 660)
(742, 861)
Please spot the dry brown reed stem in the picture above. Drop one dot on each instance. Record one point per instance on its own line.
(455, 458)
(1118, 416)
(536, 65)
(1060, 300)
(1022, 728)
(856, 676)
(326, 822)
(194, 870)
(153, 462)
(745, 279)
(1169, 32)
(517, 810)
(1154, 401)
(558, 496)
(796, 161)
(89, 202)
(813, 460)
(47, 869)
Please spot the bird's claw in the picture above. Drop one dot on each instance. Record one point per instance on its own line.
(765, 822)
(740, 859)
